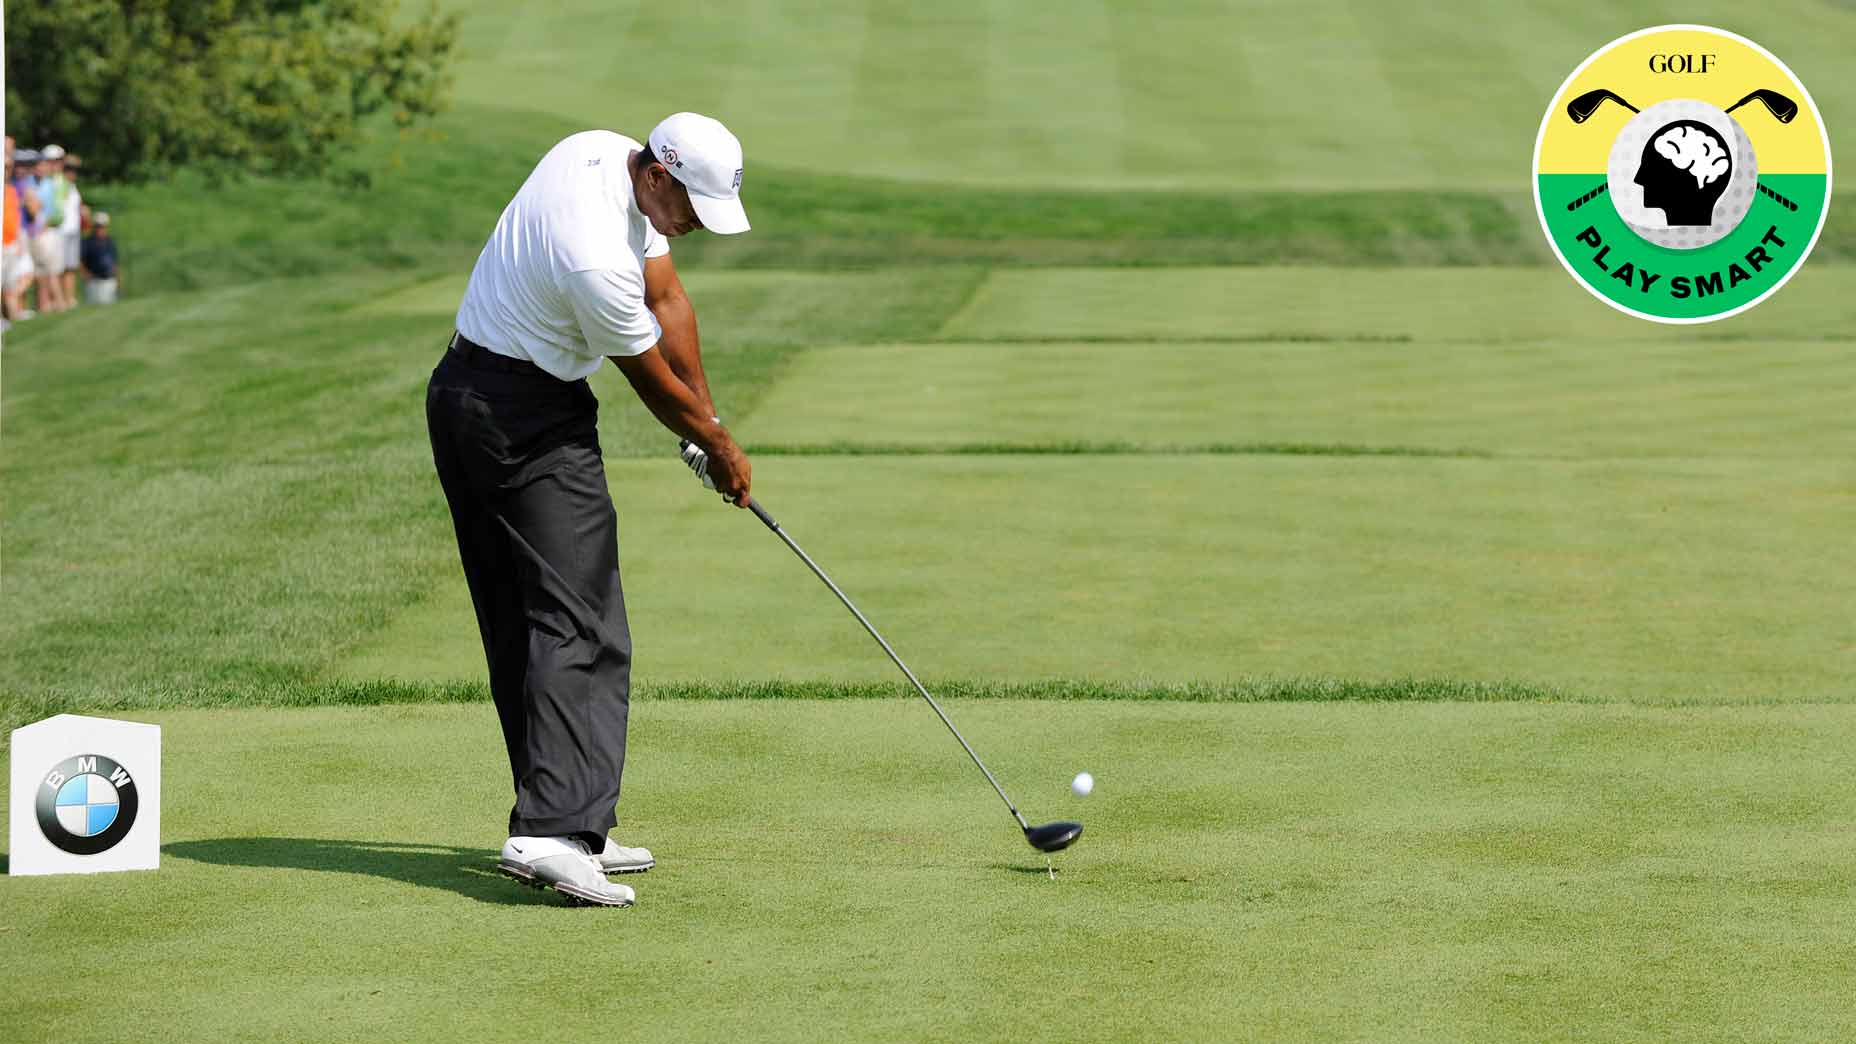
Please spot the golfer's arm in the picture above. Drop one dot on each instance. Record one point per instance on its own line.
(672, 401)
(663, 294)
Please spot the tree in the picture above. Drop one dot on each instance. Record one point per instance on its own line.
(139, 87)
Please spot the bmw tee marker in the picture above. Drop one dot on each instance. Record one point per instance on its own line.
(1682, 174)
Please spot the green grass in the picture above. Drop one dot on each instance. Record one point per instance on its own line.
(138, 700)
(1665, 398)
(251, 463)
(434, 196)
(1655, 580)
(300, 369)
(1085, 447)
(1614, 518)
(1395, 872)
(1111, 95)
(1484, 307)
(1120, 133)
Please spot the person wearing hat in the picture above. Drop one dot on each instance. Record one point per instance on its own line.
(71, 229)
(576, 271)
(97, 258)
(46, 239)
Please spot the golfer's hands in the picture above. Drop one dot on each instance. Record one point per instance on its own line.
(727, 472)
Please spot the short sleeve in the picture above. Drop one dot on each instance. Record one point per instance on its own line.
(610, 305)
(656, 244)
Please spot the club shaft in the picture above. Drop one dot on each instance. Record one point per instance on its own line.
(767, 520)
(1588, 197)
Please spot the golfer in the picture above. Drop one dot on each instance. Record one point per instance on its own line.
(577, 270)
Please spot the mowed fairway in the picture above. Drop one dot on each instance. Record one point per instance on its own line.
(1660, 581)
(1107, 93)
(1363, 492)
(1186, 392)
(1406, 870)
(1570, 854)
(1383, 872)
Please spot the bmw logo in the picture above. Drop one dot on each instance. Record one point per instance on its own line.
(87, 804)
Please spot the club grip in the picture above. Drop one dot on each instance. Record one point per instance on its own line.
(761, 513)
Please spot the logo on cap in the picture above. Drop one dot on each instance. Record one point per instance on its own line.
(737, 177)
(1682, 174)
(670, 157)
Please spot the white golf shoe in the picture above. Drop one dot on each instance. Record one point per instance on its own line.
(618, 859)
(565, 865)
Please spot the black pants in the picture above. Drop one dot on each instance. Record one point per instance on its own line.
(518, 455)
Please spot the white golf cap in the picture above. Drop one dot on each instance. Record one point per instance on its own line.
(53, 152)
(706, 158)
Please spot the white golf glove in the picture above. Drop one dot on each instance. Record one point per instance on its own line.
(697, 461)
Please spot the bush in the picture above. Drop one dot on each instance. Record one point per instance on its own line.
(259, 86)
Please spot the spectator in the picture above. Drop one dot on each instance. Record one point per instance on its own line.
(43, 237)
(102, 274)
(18, 274)
(71, 231)
(9, 301)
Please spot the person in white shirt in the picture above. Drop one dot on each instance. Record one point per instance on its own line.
(72, 227)
(576, 271)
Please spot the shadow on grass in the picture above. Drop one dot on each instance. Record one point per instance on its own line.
(470, 872)
(1040, 870)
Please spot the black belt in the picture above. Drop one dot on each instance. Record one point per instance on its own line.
(484, 359)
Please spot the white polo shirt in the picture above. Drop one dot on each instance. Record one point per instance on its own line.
(561, 281)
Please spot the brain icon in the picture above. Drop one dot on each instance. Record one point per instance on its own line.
(1682, 174)
(1702, 155)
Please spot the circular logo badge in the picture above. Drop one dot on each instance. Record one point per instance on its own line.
(1682, 174)
(86, 804)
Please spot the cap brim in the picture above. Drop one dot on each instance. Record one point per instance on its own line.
(724, 217)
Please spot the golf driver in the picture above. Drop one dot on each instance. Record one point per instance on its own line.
(1047, 837)
(1582, 107)
(1782, 108)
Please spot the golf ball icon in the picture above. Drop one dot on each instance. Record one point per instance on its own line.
(1082, 784)
(1682, 174)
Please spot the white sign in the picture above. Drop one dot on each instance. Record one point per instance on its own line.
(86, 796)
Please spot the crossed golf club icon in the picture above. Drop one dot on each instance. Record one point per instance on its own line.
(1581, 109)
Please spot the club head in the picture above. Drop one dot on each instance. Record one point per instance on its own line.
(1782, 108)
(1054, 837)
(1582, 107)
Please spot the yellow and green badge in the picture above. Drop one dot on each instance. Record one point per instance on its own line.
(1682, 174)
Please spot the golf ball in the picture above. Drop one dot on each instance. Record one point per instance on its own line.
(1083, 784)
